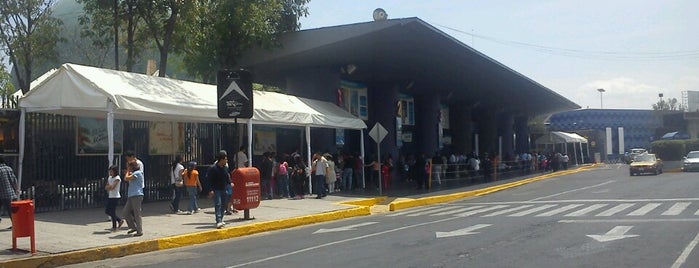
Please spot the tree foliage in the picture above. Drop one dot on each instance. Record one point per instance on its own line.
(669, 105)
(222, 30)
(166, 21)
(29, 35)
(6, 89)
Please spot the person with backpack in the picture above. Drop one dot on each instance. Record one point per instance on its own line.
(283, 178)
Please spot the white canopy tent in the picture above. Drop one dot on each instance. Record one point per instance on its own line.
(79, 90)
(558, 137)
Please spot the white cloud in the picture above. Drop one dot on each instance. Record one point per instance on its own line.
(620, 93)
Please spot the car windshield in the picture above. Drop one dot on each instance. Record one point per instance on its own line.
(645, 158)
(637, 151)
(693, 155)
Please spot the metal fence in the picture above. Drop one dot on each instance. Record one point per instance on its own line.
(57, 178)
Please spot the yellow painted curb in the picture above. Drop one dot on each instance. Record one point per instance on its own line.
(115, 251)
(408, 203)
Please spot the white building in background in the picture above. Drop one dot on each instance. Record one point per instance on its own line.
(690, 100)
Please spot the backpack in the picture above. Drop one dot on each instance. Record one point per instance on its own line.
(282, 169)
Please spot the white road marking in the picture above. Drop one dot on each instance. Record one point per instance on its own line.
(344, 228)
(433, 210)
(457, 210)
(532, 210)
(587, 201)
(696, 213)
(507, 211)
(685, 253)
(586, 210)
(408, 211)
(559, 210)
(616, 233)
(644, 209)
(676, 209)
(570, 191)
(629, 220)
(474, 212)
(460, 232)
(614, 210)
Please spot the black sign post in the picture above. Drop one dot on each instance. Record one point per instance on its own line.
(234, 96)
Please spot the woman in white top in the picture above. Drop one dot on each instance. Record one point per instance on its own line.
(113, 186)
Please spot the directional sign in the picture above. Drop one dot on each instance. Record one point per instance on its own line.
(615, 233)
(460, 232)
(378, 132)
(234, 94)
(342, 229)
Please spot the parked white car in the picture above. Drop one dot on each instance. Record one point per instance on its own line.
(691, 161)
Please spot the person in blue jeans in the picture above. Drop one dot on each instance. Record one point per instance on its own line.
(219, 179)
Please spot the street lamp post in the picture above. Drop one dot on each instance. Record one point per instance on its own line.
(601, 103)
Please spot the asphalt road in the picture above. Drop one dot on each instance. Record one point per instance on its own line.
(597, 218)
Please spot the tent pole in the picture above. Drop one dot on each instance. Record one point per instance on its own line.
(308, 157)
(22, 129)
(110, 131)
(250, 142)
(361, 149)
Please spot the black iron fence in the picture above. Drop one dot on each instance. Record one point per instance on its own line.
(56, 177)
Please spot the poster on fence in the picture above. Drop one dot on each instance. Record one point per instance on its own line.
(264, 140)
(165, 138)
(92, 137)
(9, 131)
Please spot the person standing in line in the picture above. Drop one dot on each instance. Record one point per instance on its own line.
(375, 167)
(241, 157)
(298, 177)
(330, 175)
(347, 176)
(437, 165)
(177, 183)
(10, 188)
(113, 187)
(193, 185)
(419, 171)
(219, 179)
(358, 170)
(265, 168)
(132, 209)
(283, 177)
(319, 169)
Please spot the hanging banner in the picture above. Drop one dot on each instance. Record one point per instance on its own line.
(264, 140)
(91, 136)
(165, 138)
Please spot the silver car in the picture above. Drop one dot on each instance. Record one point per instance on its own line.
(691, 161)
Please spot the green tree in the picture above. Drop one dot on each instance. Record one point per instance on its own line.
(166, 21)
(222, 30)
(29, 35)
(6, 88)
(669, 105)
(106, 21)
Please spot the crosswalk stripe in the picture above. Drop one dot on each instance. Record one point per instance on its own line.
(531, 210)
(614, 210)
(676, 209)
(474, 212)
(586, 210)
(457, 210)
(409, 211)
(696, 213)
(559, 210)
(644, 209)
(433, 210)
(507, 211)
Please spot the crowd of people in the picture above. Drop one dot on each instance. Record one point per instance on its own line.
(288, 176)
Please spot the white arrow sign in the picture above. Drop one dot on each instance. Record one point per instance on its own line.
(342, 229)
(615, 233)
(465, 231)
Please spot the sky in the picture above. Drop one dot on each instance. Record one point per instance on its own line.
(634, 50)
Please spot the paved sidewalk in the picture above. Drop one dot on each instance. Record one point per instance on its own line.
(82, 235)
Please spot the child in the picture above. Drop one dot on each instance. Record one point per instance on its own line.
(113, 186)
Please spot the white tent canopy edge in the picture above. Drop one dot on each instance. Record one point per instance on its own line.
(79, 90)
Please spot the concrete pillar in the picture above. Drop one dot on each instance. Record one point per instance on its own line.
(461, 128)
(426, 123)
(505, 127)
(522, 142)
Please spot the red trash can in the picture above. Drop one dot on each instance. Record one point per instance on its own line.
(246, 190)
(23, 221)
